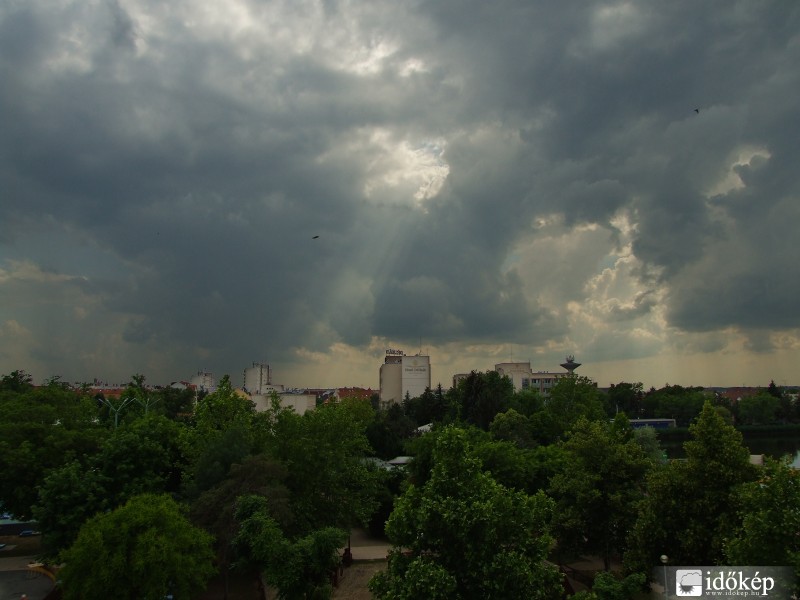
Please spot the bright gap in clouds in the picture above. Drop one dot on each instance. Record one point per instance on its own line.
(610, 311)
(398, 170)
(399, 176)
(730, 180)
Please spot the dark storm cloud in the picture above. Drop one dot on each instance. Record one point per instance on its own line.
(200, 150)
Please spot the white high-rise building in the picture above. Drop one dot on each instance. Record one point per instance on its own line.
(402, 375)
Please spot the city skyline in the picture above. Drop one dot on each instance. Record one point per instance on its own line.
(309, 183)
(203, 376)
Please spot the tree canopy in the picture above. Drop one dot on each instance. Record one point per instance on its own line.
(463, 536)
(145, 549)
(689, 508)
(597, 493)
(299, 568)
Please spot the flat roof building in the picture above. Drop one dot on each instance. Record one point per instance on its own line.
(525, 378)
(402, 375)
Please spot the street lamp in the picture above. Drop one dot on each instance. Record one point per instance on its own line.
(664, 560)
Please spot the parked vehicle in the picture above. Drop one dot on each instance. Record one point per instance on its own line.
(29, 533)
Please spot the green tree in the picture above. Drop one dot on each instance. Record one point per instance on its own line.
(389, 430)
(570, 399)
(430, 407)
(463, 536)
(138, 458)
(760, 409)
(213, 460)
(773, 390)
(224, 432)
(647, 439)
(625, 397)
(513, 427)
(527, 470)
(41, 429)
(221, 410)
(675, 402)
(527, 402)
(324, 452)
(769, 519)
(597, 493)
(215, 509)
(481, 396)
(688, 511)
(608, 586)
(300, 569)
(143, 550)
(69, 495)
(17, 381)
(176, 404)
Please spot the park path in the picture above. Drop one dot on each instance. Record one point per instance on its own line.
(16, 579)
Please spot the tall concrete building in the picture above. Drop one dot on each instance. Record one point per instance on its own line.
(402, 375)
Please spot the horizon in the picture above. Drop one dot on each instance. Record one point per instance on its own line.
(446, 382)
(307, 184)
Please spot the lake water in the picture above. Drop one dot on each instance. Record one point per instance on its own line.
(774, 447)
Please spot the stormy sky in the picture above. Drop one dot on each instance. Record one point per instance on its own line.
(489, 181)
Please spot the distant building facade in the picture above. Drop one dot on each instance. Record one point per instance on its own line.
(402, 375)
(258, 380)
(525, 378)
(203, 381)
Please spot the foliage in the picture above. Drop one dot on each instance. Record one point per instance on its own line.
(135, 459)
(221, 410)
(647, 439)
(323, 451)
(175, 404)
(390, 486)
(625, 397)
(430, 407)
(527, 402)
(570, 399)
(214, 459)
(769, 519)
(300, 568)
(527, 470)
(215, 509)
(223, 434)
(688, 509)
(674, 402)
(607, 586)
(40, 429)
(479, 397)
(145, 549)
(760, 409)
(17, 381)
(389, 430)
(513, 427)
(69, 496)
(463, 535)
(597, 493)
